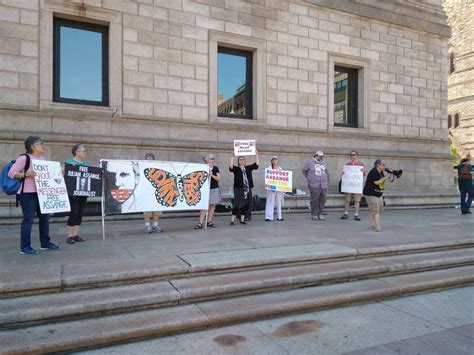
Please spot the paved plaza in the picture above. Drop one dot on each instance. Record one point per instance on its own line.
(126, 241)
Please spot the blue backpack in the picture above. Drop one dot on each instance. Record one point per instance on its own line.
(11, 186)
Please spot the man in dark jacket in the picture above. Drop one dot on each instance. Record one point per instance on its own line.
(465, 172)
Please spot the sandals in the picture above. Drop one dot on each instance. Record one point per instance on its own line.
(198, 226)
(211, 225)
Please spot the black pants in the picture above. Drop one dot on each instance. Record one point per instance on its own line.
(77, 209)
(242, 211)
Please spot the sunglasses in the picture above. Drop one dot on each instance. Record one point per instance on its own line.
(353, 155)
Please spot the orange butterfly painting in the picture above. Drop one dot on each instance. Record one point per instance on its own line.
(171, 188)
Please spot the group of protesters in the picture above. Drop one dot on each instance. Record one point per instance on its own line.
(315, 170)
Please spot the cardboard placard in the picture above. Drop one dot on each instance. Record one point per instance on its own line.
(85, 181)
(278, 180)
(244, 147)
(50, 186)
(352, 179)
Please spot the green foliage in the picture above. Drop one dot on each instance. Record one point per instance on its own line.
(454, 152)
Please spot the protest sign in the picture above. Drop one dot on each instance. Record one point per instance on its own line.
(85, 181)
(244, 147)
(278, 180)
(52, 192)
(352, 179)
(148, 185)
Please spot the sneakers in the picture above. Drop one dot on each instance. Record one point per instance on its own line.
(321, 217)
(156, 229)
(49, 246)
(316, 218)
(73, 240)
(346, 216)
(148, 229)
(28, 251)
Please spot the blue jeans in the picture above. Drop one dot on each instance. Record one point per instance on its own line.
(30, 206)
(466, 203)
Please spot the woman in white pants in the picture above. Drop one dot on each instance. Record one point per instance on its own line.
(274, 198)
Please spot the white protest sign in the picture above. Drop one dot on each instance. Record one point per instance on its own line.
(352, 179)
(244, 147)
(278, 180)
(52, 192)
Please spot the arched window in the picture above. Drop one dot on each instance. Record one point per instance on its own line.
(449, 121)
(456, 120)
(452, 63)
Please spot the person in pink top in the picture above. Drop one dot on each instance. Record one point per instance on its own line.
(349, 196)
(22, 170)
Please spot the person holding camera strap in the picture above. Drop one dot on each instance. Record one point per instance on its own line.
(373, 191)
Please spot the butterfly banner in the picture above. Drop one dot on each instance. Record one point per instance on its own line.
(50, 186)
(132, 186)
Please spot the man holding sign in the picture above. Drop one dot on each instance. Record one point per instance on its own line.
(353, 184)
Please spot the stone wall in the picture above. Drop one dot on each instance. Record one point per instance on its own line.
(163, 75)
(461, 81)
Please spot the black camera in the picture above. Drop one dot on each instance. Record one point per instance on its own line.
(396, 173)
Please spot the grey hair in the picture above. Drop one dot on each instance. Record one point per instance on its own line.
(75, 148)
(30, 142)
(379, 162)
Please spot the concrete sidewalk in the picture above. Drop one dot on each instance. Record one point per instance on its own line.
(127, 242)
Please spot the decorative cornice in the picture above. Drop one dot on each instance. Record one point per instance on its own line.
(409, 14)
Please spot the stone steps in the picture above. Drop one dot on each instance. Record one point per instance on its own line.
(109, 329)
(72, 277)
(43, 308)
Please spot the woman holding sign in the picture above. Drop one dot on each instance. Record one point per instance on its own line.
(28, 197)
(78, 203)
(274, 198)
(243, 184)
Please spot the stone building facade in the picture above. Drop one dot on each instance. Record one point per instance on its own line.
(162, 82)
(461, 75)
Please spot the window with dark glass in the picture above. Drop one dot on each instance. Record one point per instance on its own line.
(452, 63)
(449, 121)
(345, 97)
(456, 120)
(80, 63)
(234, 83)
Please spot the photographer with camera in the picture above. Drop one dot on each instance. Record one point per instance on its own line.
(373, 190)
